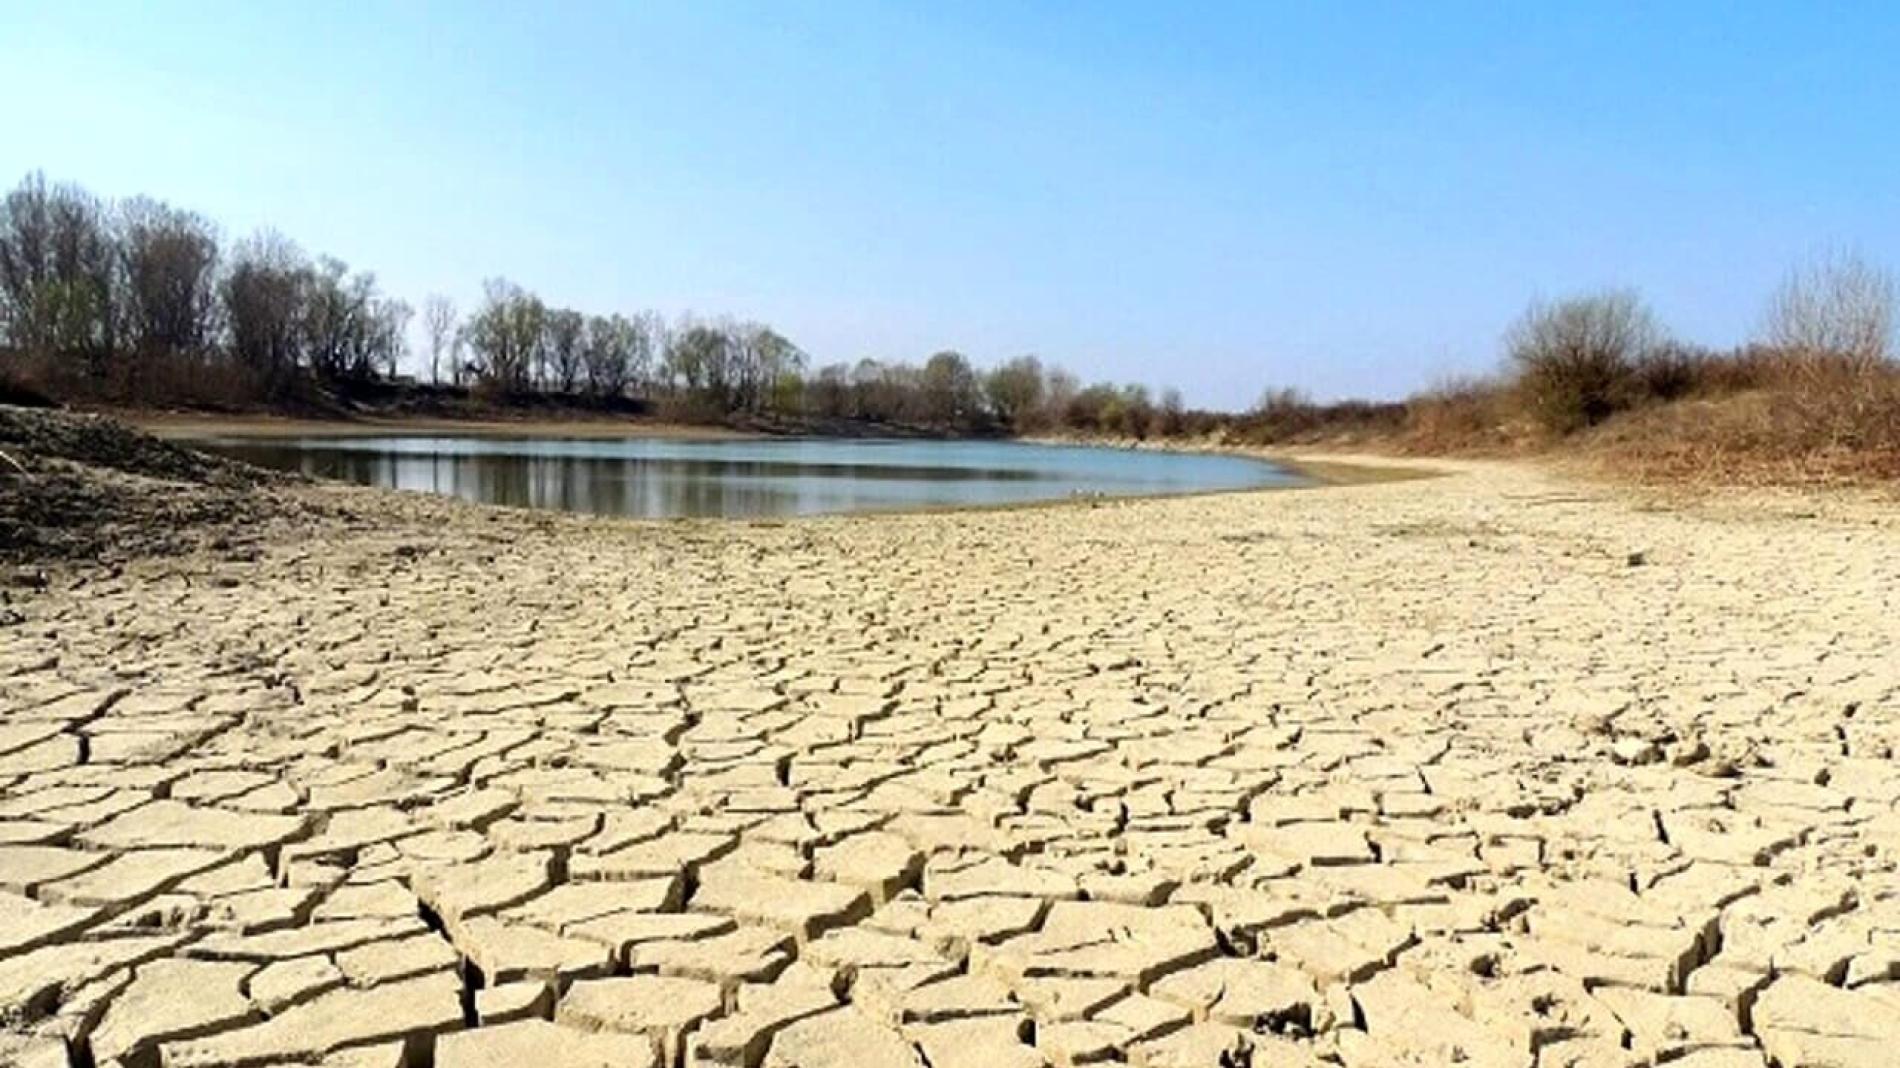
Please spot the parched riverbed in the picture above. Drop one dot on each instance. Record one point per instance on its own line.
(1489, 769)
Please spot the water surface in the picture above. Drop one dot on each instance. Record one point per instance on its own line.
(659, 477)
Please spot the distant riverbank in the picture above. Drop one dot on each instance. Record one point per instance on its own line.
(199, 425)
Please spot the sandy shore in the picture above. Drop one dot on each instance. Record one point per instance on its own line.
(1489, 769)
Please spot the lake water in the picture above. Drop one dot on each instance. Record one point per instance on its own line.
(658, 477)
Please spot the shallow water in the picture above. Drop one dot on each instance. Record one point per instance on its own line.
(657, 477)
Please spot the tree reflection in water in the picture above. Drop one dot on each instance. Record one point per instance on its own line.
(656, 478)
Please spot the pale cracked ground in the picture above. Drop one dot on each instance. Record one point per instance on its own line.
(1411, 774)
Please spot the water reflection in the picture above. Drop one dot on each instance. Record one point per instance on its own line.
(664, 478)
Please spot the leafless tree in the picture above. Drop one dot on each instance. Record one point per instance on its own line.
(1171, 419)
(506, 334)
(438, 323)
(100, 287)
(1014, 391)
(650, 339)
(387, 341)
(1575, 357)
(57, 273)
(26, 269)
(263, 306)
(828, 391)
(697, 361)
(767, 368)
(953, 396)
(565, 346)
(1838, 306)
(1059, 391)
(352, 333)
(169, 259)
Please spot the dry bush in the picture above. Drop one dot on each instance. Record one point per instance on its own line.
(688, 408)
(186, 380)
(1807, 421)
(1668, 372)
(1840, 406)
(1838, 306)
(157, 380)
(1287, 416)
(1575, 358)
(1817, 401)
(1458, 415)
(1748, 368)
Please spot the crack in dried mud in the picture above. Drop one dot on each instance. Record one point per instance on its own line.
(1403, 774)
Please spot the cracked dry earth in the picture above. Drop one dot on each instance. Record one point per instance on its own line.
(1483, 770)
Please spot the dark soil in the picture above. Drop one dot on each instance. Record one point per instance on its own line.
(84, 487)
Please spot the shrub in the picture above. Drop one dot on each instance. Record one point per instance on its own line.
(1287, 415)
(1804, 424)
(1668, 372)
(1458, 413)
(1838, 306)
(1575, 358)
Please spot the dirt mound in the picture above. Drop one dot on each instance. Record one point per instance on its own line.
(79, 486)
(95, 441)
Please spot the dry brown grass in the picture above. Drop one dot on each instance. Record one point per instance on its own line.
(1755, 416)
(161, 380)
(1287, 417)
(1467, 415)
(1805, 421)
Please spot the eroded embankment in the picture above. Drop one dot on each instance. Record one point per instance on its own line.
(85, 487)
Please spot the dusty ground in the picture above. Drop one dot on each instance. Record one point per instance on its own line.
(1485, 770)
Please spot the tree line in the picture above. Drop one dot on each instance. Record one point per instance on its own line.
(102, 295)
(140, 302)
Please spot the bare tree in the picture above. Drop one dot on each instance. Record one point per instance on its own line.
(57, 272)
(698, 361)
(606, 353)
(84, 266)
(1060, 388)
(263, 307)
(565, 345)
(438, 323)
(169, 259)
(1840, 306)
(506, 335)
(386, 340)
(94, 285)
(1172, 416)
(828, 391)
(768, 368)
(650, 338)
(1575, 357)
(352, 333)
(953, 396)
(26, 240)
(1015, 390)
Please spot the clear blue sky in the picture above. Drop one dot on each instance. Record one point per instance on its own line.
(1355, 199)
